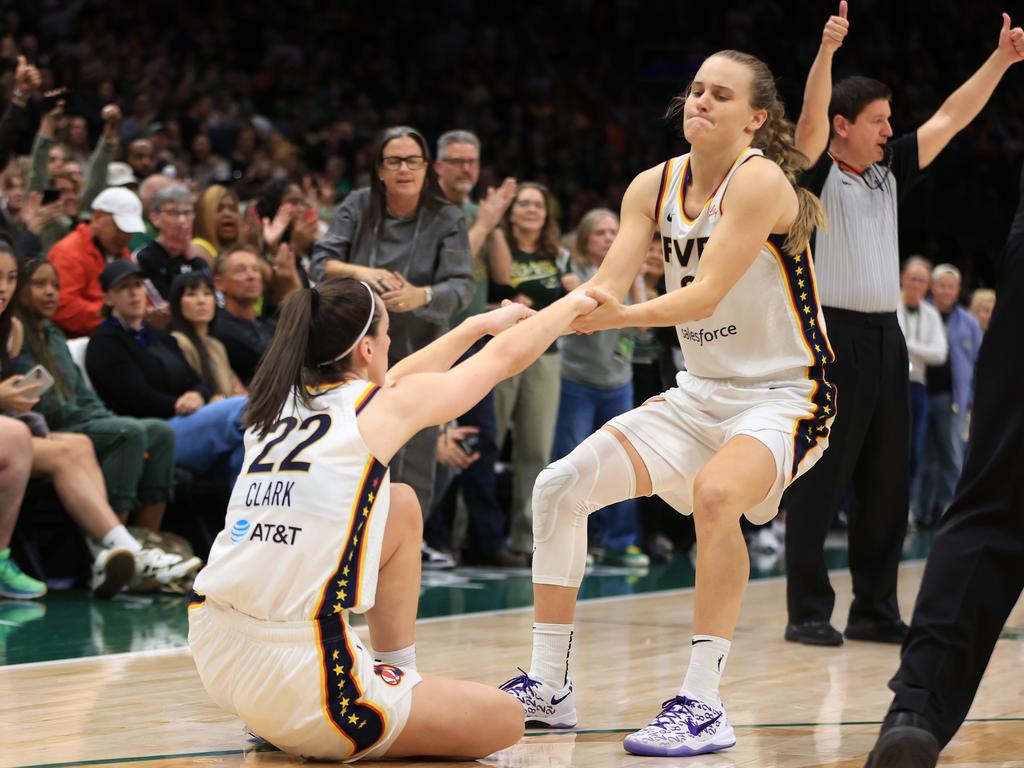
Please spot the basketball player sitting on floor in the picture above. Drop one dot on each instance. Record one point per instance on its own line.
(751, 413)
(315, 530)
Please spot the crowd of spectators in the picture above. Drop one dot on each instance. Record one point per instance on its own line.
(167, 179)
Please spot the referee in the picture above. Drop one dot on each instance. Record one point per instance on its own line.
(975, 571)
(860, 180)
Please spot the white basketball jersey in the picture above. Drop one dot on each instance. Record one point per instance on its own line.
(771, 319)
(303, 530)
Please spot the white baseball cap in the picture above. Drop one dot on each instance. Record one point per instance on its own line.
(120, 174)
(124, 205)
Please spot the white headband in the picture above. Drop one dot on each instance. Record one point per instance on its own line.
(373, 308)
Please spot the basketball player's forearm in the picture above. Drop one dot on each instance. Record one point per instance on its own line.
(521, 345)
(440, 355)
(694, 302)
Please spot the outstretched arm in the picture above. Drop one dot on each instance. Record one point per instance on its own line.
(812, 127)
(964, 104)
(759, 201)
(421, 400)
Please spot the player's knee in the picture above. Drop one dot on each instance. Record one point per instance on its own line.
(509, 725)
(712, 503)
(555, 499)
(405, 509)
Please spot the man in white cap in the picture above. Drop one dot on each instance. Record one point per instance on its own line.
(81, 255)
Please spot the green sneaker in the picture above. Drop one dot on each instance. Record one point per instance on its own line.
(14, 583)
(630, 557)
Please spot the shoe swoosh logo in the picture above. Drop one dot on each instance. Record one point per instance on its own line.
(697, 730)
(556, 701)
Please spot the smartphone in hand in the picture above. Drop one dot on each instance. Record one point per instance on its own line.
(36, 382)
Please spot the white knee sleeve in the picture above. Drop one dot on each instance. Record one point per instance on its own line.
(596, 474)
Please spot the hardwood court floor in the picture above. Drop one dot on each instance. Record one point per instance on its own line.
(791, 705)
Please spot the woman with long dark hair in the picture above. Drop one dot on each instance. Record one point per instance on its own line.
(316, 530)
(193, 307)
(412, 247)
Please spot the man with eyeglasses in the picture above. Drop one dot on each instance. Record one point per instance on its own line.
(166, 257)
(471, 447)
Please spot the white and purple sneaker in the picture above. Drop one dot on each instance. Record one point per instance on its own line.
(685, 727)
(545, 707)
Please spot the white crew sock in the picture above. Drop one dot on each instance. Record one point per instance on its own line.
(708, 655)
(403, 657)
(119, 538)
(551, 646)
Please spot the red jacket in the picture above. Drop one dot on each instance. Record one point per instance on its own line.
(78, 262)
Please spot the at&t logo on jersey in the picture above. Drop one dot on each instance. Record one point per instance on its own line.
(239, 531)
(269, 532)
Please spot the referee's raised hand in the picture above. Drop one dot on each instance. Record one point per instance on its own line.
(1011, 41)
(836, 29)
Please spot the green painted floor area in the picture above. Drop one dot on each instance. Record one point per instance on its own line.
(70, 624)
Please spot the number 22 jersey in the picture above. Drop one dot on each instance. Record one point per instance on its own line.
(304, 526)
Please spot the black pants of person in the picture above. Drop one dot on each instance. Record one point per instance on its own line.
(869, 452)
(975, 571)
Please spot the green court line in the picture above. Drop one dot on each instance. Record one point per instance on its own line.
(227, 752)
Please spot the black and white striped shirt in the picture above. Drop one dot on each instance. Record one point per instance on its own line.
(856, 257)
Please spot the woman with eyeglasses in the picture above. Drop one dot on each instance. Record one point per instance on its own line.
(166, 257)
(408, 243)
(528, 401)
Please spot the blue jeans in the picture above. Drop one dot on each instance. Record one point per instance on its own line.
(582, 410)
(943, 458)
(212, 433)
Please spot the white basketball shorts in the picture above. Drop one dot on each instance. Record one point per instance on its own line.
(677, 432)
(308, 692)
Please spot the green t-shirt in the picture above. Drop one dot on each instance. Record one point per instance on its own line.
(538, 278)
(479, 301)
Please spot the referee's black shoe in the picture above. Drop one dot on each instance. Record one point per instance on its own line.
(815, 632)
(877, 631)
(905, 741)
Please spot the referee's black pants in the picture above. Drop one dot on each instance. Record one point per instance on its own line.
(975, 571)
(869, 453)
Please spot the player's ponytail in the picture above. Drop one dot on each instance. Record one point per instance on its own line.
(317, 331)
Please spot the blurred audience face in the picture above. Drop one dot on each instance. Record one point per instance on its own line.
(229, 219)
(241, 278)
(459, 170)
(528, 211)
(945, 292)
(982, 309)
(198, 304)
(73, 169)
(601, 238)
(8, 279)
(70, 195)
(201, 148)
(14, 192)
(141, 157)
(654, 261)
(43, 294)
(112, 239)
(914, 283)
(174, 222)
(56, 160)
(150, 187)
(400, 180)
(78, 133)
(127, 300)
